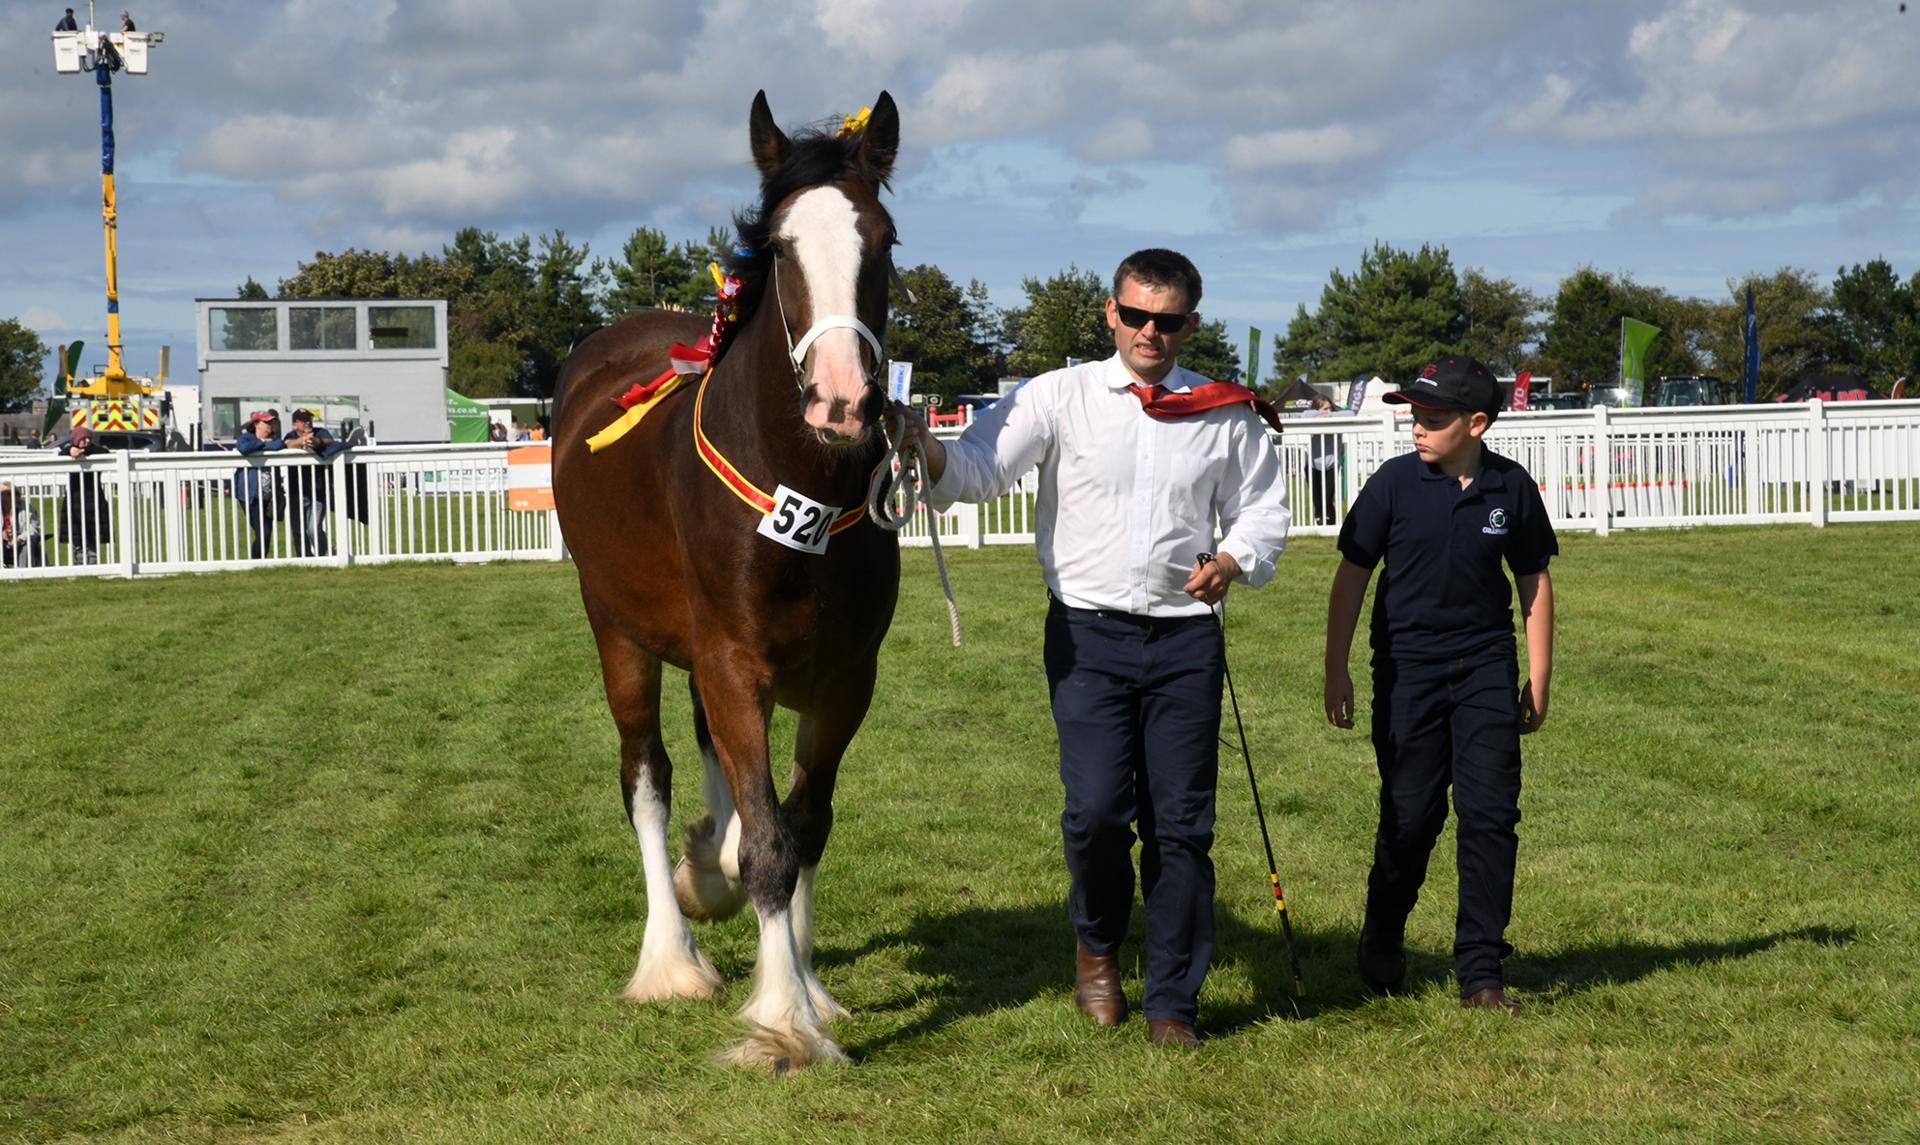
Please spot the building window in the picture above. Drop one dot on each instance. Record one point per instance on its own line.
(320, 327)
(337, 413)
(242, 328)
(400, 327)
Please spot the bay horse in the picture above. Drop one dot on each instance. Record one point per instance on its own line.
(724, 533)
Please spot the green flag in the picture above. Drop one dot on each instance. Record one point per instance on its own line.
(1634, 337)
(1253, 357)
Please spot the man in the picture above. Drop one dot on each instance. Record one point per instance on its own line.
(67, 23)
(126, 23)
(315, 483)
(1138, 459)
(87, 522)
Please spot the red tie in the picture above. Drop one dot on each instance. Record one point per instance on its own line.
(1163, 404)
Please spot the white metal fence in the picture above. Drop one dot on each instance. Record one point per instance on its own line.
(136, 514)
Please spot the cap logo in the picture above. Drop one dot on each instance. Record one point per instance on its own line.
(1431, 369)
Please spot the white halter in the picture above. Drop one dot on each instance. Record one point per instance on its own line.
(797, 351)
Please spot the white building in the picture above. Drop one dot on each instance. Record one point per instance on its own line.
(380, 364)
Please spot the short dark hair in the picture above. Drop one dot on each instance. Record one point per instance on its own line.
(1156, 266)
(302, 415)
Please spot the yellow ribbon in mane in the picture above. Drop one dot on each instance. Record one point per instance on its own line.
(855, 123)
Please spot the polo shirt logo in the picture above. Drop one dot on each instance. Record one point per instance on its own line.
(1496, 523)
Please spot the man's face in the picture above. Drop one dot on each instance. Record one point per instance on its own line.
(1148, 351)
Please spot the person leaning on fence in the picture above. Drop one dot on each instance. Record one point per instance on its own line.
(20, 543)
(1448, 706)
(1323, 450)
(86, 523)
(255, 486)
(1138, 458)
(314, 483)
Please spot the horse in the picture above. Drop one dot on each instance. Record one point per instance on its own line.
(724, 533)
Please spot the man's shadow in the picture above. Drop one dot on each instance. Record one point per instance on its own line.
(978, 960)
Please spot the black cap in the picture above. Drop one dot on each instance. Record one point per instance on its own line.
(1453, 381)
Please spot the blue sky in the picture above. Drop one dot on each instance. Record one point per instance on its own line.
(1685, 142)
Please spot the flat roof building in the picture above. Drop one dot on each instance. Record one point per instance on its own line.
(379, 363)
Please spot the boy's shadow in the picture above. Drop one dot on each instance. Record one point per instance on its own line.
(978, 960)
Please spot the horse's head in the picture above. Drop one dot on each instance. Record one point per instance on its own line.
(829, 243)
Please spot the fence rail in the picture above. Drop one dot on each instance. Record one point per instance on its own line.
(134, 514)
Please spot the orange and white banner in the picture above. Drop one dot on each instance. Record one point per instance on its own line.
(530, 477)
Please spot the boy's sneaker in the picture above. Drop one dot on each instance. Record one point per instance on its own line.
(1383, 961)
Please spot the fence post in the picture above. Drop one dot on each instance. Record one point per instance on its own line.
(126, 540)
(1602, 492)
(1817, 463)
(336, 516)
(173, 516)
(970, 514)
(556, 541)
(376, 508)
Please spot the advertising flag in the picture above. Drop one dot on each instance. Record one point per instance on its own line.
(1635, 335)
(900, 382)
(1753, 350)
(1253, 358)
(1522, 386)
(1356, 393)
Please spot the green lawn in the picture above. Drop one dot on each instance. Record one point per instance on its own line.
(338, 855)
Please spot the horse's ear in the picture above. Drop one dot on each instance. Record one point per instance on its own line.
(769, 143)
(881, 140)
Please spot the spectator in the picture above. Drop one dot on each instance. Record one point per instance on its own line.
(85, 523)
(496, 431)
(19, 530)
(254, 486)
(520, 432)
(315, 483)
(126, 23)
(1323, 456)
(67, 23)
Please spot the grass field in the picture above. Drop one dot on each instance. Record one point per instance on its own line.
(338, 856)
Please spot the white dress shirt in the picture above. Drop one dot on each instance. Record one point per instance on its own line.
(1126, 501)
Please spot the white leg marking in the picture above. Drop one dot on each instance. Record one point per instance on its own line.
(823, 1003)
(786, 1032)
(671, 964)
(707, 881)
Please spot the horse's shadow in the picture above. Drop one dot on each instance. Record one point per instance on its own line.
(975, 961)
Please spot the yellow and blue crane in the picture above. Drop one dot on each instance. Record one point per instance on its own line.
(112, 392)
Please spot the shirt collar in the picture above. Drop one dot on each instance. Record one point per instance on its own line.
(1487, 478)
(1179, 380)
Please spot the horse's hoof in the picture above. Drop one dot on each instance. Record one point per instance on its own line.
(781, 1052)
(664, 979)
(702, 889)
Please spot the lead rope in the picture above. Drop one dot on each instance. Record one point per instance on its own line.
(898, 477)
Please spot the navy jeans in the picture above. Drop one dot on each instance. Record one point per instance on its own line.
(1455, 723)
(1136, 701)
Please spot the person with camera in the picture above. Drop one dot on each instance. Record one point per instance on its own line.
(256, 487)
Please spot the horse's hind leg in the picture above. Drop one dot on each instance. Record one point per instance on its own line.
(707, 879)
(671, 964)
(819, 743)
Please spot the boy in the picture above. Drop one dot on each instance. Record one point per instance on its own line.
(1447, 706)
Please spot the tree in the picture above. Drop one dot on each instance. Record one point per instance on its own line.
(696, 293)
(1208, 351)
(1500, 321)
(1581, 342)
(1871, 321)
(563, 310)
(1787, 305)
(940, 332)
(1065, 317)
(1397, 312)
(23, 361)
(648, 274)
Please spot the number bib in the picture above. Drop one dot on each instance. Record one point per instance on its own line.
(798, 521)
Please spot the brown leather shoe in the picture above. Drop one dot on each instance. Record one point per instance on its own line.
(1172, 1032)
(1096, 987)
(1490, 998)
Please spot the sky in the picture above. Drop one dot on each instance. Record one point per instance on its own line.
(1686, 142)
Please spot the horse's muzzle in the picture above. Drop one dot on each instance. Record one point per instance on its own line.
(838, 421)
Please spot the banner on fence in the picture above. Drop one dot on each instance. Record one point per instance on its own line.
(530, 477)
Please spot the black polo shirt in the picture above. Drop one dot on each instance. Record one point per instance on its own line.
(1443, 594)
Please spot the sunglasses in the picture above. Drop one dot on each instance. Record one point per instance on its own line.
(1136, 318)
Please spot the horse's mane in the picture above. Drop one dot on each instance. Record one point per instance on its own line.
(814, 156)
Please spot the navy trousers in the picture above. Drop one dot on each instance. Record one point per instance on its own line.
(1455, 723)
(1136, 701)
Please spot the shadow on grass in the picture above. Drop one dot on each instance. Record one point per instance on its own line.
(976, 961)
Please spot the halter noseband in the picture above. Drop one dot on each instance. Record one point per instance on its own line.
(797, 351)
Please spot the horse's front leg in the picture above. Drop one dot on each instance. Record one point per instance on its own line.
(821, 741)
(786, 1030)
(671, 964)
